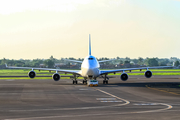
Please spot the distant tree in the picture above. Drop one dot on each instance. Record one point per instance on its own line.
(10, 62)
(135, 61)
(49, 63)
(173, 59)
(127, 59)
(36, 64)
(19, 63)
(106, 58)
(4, 61)
(68, 64)
(140, 60)
(52, 58)
(152, 62)
(126, 62)
(176, 63)
(163, 62)
(120, 62)
(80, 59)
(71, 58)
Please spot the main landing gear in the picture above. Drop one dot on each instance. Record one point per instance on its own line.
(105, 81)
(75, 80)
(85, 82)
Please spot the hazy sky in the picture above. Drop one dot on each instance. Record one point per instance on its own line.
(32, 29)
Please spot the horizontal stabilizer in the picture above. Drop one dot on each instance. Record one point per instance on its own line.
(106, 60)
(73, 60)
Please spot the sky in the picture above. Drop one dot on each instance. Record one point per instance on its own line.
(31, 29)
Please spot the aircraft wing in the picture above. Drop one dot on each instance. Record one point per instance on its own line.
(73, 60)
(106, 60)
(129, 69)
(48, 69)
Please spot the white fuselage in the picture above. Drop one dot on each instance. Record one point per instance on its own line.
(90, 67)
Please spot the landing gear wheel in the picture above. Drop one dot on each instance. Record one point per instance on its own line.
(85, 82)
(74, 82)
(105, 82)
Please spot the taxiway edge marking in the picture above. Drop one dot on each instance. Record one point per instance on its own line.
(162, 90)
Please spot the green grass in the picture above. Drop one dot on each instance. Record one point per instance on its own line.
(164, 70)
(152, 70)
(143, 73)
(155, 73)
(17, 72)
(36, 78)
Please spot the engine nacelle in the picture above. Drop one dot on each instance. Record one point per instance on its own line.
(56, 77)
(148, 74)
(124, 76)
(32, 74)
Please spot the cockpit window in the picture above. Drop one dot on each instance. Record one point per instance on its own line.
(90, 58)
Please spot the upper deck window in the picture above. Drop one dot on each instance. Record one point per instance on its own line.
(90, 58)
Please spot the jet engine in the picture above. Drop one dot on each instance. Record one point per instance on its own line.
(56, 77)
(148, 74)
(124, 76)
(32, 74)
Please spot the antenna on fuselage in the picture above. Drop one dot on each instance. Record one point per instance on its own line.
(89, 44)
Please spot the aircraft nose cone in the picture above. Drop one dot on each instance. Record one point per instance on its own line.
(90, 72)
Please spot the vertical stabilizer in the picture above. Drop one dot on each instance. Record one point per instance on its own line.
(89, 44)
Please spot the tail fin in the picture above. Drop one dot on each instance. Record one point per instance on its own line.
(89, 44)
(6, 65)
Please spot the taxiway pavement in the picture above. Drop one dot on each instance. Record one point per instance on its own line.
(138, 98)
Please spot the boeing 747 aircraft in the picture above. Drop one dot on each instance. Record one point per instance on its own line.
(89, 70)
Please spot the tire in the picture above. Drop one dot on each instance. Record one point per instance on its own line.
(103, 82)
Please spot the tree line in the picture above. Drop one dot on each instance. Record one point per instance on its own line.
(118, 61)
